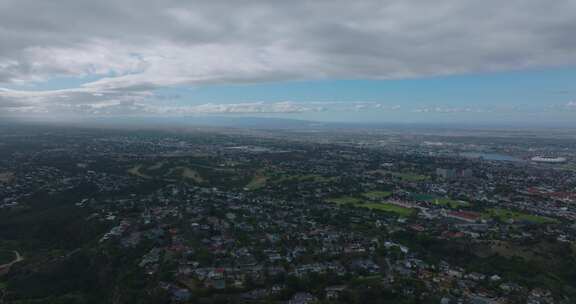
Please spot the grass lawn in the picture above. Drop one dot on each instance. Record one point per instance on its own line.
(157, 166)
(450, 203)
(367, 279)
(136, 171)
(570, 167)
(158, 172)
(375, 195)
(257, 182)
(345, 200)
(423, 197)
(406, 176)
(505, 215)
(303, 178)
(402, 211)
(6, 256)
(387, 207)
(190, 174)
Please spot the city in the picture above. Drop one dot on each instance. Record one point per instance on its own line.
(218, 216)
(287, 152)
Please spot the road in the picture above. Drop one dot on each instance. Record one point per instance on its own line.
(6, 267)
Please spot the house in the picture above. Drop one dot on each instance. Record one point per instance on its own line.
(181, 295)
(334, 292)
(302, 298)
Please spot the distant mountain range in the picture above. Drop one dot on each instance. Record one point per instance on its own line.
(272, 123)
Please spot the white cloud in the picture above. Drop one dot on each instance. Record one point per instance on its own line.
(452, 110)
(127, 106)
(93, 101)
(136, 46)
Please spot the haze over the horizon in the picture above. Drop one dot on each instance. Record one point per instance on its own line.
(352, 61)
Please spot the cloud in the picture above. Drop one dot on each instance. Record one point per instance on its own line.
(90, 101)
(452, 110)
(123, 107)
(133, 47)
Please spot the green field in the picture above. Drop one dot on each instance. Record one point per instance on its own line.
(6, 257)
(376, 195)
(303, 178)
(405, 176)
(440, 201)
(258, 181)
(423, 197)
(261, 179)
(454, 204)
(157, 166)
(182, 172)
(136, 171)
(402, 211)
(196, 171)
(188, 173)
(345, 200)
(367, 279)
(387, 207)
(570, 167)
(505, 215)
(411, 177)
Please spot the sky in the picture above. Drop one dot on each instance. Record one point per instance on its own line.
(483, 61)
